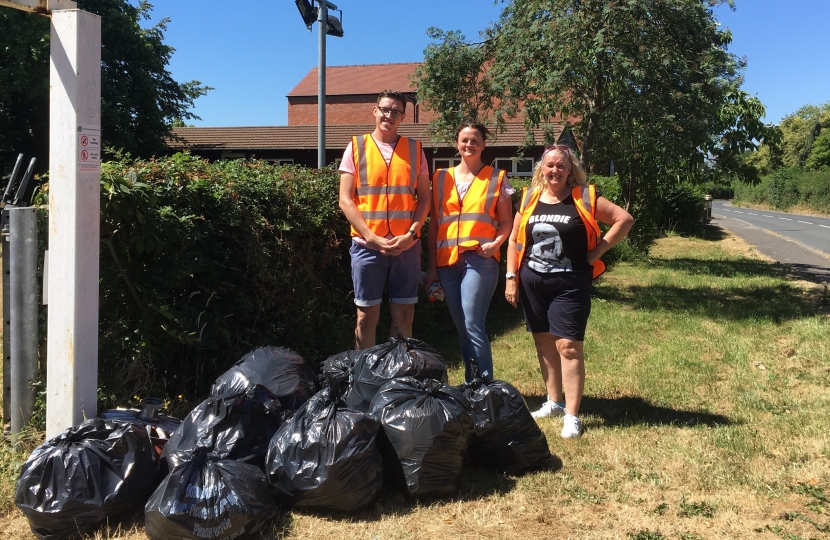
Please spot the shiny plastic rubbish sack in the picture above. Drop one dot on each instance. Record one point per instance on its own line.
(280, 370)
(208, 498)
(326, 457)
(399, 357)
(506, 437)
(236, 426)
(96, 471)
(428, 424)
(337, 373)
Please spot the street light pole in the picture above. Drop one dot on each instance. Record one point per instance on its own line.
(322, 20)
(328, 25)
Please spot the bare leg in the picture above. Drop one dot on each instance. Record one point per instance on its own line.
(366, 329)
(549, 363)
(572, 357)
(402, 317)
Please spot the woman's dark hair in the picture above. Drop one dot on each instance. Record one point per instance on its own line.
(470, 124)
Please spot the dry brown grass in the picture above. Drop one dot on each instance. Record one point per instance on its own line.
(685, 433)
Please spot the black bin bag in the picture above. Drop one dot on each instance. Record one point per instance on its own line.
(280, 370)
(235, 426)
(399, 357)
(209, 498)
(326, 457)
(337, 373)
(428, 424)
(96, 471)
(506, 437)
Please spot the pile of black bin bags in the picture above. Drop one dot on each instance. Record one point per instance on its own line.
(267, 436)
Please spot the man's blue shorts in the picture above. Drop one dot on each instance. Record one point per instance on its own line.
(372, 271)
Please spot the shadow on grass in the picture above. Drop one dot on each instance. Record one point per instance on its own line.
(777, 302)
(633, 411)
(724, 268)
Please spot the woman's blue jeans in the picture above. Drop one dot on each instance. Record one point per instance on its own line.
(468, 288)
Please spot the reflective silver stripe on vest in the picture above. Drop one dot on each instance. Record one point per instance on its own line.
(453, 242)
(361, 160)
(469, 216)
(492, 190)
(388, 215)
(586, 199)
(528, 196)
(384, 190)
(439, 181)
(519, 247)
(414, 163)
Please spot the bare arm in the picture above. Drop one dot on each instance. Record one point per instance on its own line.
(432, 243)
(510, 292)
(352, 213)
(405, 241)
(620, 221)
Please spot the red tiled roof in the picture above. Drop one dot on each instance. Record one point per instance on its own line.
(305, 137)
(359, 80)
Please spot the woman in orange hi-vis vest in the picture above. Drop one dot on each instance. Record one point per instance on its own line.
(471, 219)
(552, 257)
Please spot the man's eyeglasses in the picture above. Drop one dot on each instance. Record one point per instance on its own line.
(393, 113)
(560, 147)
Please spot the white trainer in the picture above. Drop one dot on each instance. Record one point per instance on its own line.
(549, 408)
(572, 426)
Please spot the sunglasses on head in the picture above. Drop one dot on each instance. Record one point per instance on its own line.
(560, 147)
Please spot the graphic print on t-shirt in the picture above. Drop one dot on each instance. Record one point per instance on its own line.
(546, 253)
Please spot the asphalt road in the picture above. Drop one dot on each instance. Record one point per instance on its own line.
(803, 242)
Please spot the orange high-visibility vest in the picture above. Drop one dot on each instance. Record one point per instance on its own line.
(385, 194)
(465, 222)
(585, 198)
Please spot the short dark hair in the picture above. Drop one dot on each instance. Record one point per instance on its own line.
(393, 94)
(471, 124)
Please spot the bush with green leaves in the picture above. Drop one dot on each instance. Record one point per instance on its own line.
(787, 188)
(201, 262)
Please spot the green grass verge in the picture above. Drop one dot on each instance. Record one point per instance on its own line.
(705, 410)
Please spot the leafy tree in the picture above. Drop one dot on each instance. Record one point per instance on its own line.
(139, 98)
(799, 131)
(820, 154)
(648, 84)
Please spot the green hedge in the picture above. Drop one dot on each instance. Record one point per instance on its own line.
(787, 188)
(201, 262)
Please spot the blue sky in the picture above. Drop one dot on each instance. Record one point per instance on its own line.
(253, 52)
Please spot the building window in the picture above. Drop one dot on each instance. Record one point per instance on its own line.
(232, 155)
(444, 163)
(515, 166)
(279, 161)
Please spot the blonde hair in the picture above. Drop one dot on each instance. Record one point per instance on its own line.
(577, 176)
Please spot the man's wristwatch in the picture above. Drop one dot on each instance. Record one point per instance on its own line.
(414, 234)
(510, 275)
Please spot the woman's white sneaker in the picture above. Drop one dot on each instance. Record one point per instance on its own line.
(572, 426)
(549, 408)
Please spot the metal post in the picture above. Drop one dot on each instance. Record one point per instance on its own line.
(23, 329)
(7, 351)
(74, 219)
(322, 28)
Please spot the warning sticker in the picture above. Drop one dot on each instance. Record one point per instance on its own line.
(89, 148)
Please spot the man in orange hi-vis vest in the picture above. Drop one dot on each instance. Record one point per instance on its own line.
(385, 195)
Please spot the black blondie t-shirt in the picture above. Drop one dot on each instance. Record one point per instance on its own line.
(556, 239)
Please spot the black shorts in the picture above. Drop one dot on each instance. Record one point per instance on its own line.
(559, 303)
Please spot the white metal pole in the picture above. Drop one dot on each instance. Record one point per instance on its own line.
(322, 27)
(74, 210)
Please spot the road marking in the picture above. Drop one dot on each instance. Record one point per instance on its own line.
(825, 226)
(766, 215)
(807, 222)
(737, 212)
(788, 219)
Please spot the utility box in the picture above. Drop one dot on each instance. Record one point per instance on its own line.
(707, 209)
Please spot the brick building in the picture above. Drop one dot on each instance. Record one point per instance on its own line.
(351, 92)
